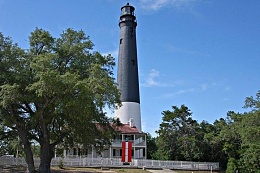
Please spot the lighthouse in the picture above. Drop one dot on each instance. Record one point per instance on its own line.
(127, 74)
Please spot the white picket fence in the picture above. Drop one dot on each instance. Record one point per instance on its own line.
(116, 162)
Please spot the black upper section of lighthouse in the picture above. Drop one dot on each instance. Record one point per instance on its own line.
(127, 75)
(127, 13)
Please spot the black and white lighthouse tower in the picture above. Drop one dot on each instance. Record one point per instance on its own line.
(127, 74)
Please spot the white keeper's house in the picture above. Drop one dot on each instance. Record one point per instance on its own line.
(129, 133)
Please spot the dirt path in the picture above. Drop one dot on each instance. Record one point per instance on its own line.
(161, 171)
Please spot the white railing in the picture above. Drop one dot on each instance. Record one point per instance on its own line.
(118, 142)
(116, 162)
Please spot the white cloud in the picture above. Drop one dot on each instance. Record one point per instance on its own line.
(186, 51)
(227, 88)
(170, 95)
(225, 99)
(152, 80)
(199, 89)
(114, 53)
(204, 86)
(154, 4)
(158, 4)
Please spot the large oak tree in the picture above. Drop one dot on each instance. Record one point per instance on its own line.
(55, 92)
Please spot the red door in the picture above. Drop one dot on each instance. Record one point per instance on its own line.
(126, 152)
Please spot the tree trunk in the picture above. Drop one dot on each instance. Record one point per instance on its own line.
(46, 148)
(45, 156)
(27, 148)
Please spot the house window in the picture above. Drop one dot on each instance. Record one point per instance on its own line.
(114, 152)
(117, 152)
(74, 151)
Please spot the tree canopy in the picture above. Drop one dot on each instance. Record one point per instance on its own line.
(55, 92)
(234, 142)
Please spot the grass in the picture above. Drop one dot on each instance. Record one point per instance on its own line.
(129, 170)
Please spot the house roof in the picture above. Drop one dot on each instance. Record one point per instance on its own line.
(126, 128)
(123, 128)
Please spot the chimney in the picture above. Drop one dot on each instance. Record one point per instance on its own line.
(131, 122)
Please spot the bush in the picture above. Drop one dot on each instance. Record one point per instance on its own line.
(232, 166)
(250, 159)
(60, 164)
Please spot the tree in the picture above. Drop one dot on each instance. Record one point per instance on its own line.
(250, 159)
(178, 136)
(241, 136)
(250, 136)
(253, 103)
(56, 92)
(206, 132)
(233, 141)
(231, 136)
(232, 165)
(217, 142)
(151, 146)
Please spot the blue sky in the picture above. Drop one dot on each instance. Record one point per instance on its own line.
(201, 53)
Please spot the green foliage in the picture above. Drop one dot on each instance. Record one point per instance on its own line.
(233, 141)
(232, 166)
(151, 147)
(60, 164)
(121, 170)
(179, 138)
(253, 103)
(56, 91)
(250, 159)
(251, 131)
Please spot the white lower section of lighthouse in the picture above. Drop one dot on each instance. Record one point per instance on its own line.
(130, 113)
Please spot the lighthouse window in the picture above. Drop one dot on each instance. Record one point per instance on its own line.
(131, 29)
(133, 62)
(127, 10)
(121, 41)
